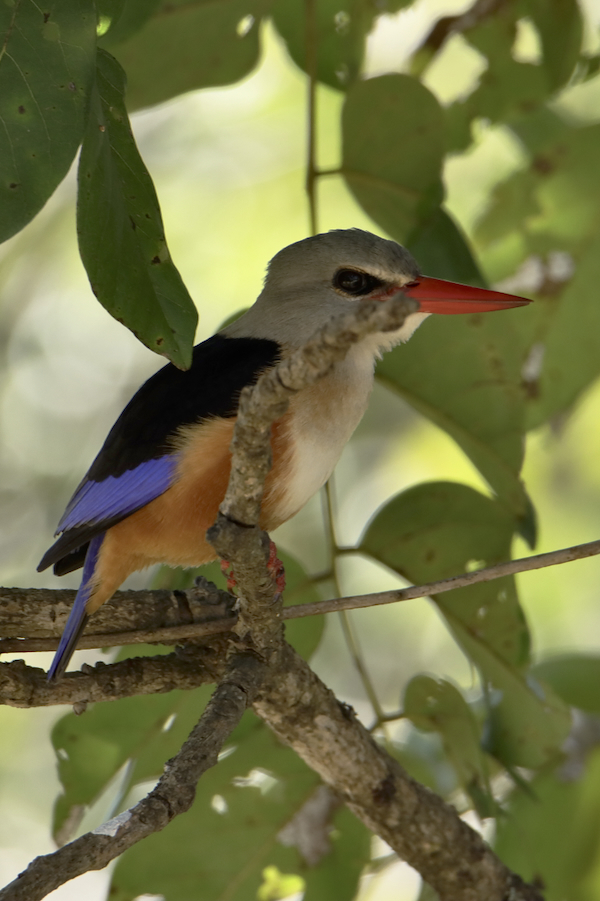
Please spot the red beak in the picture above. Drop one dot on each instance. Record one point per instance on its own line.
(437, 296)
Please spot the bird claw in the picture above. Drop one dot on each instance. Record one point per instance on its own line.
(276, 568)
(274, 565)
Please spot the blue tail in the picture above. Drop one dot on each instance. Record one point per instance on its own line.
(78, 616)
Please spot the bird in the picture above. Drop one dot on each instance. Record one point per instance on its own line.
(155, 486)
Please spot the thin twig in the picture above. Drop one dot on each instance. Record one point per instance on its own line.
(525, 564)
(311, 69)
(175, 634)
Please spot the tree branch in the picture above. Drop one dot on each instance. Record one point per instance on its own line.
(42, 612)
(173, 794)
(423, 830)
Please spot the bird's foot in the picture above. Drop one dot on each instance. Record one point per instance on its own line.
(274, 565)
(227, 570)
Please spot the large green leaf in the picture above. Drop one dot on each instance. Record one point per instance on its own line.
(442, 250)
(441, 529)
(121, 235)
(241, 805)
(464, 373)
(340, 36)
(393, 147)
(91, 749)
(550, 834)
(47, 60)
(184, 46)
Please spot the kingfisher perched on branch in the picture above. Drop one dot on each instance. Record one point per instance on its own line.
(156, 485)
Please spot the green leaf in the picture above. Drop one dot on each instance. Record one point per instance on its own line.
(46, 69)
(551, 206)
(442, 250)
(507, 89)
(435, 705)
(92, 748)
(338, 873)
(393, 147)
(575, 678)
(434, 531)
(120, 230)
(185, 46)
(441, 529)
(551, 834)
(241, 804)
(560, 26)
(464, 373)
(340, 36)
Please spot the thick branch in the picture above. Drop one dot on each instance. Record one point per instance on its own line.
(173, 794)
(416, 823)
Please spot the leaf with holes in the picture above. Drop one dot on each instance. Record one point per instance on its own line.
(441, 529)
(340, 37)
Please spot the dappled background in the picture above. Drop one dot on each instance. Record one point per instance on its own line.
(228, 165)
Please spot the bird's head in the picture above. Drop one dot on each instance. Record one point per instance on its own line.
(312, 280)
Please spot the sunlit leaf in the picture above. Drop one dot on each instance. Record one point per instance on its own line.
(121, 235)
(393, 146)
(441, 529)
(241, 804)
(47, 58)
(339, 40)
(185, 46)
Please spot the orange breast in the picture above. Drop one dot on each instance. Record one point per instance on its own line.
(172, 528)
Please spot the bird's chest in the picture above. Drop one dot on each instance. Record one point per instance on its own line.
(320, 422)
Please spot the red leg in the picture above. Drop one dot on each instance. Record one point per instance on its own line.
(275, 567)
(228, 573)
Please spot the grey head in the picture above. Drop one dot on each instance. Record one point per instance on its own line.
(310, 281)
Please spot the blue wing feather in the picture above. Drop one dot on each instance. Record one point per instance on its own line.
(118, 496)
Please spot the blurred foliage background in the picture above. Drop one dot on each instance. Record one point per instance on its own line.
(521, 104)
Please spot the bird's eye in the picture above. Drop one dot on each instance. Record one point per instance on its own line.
(351, 281)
